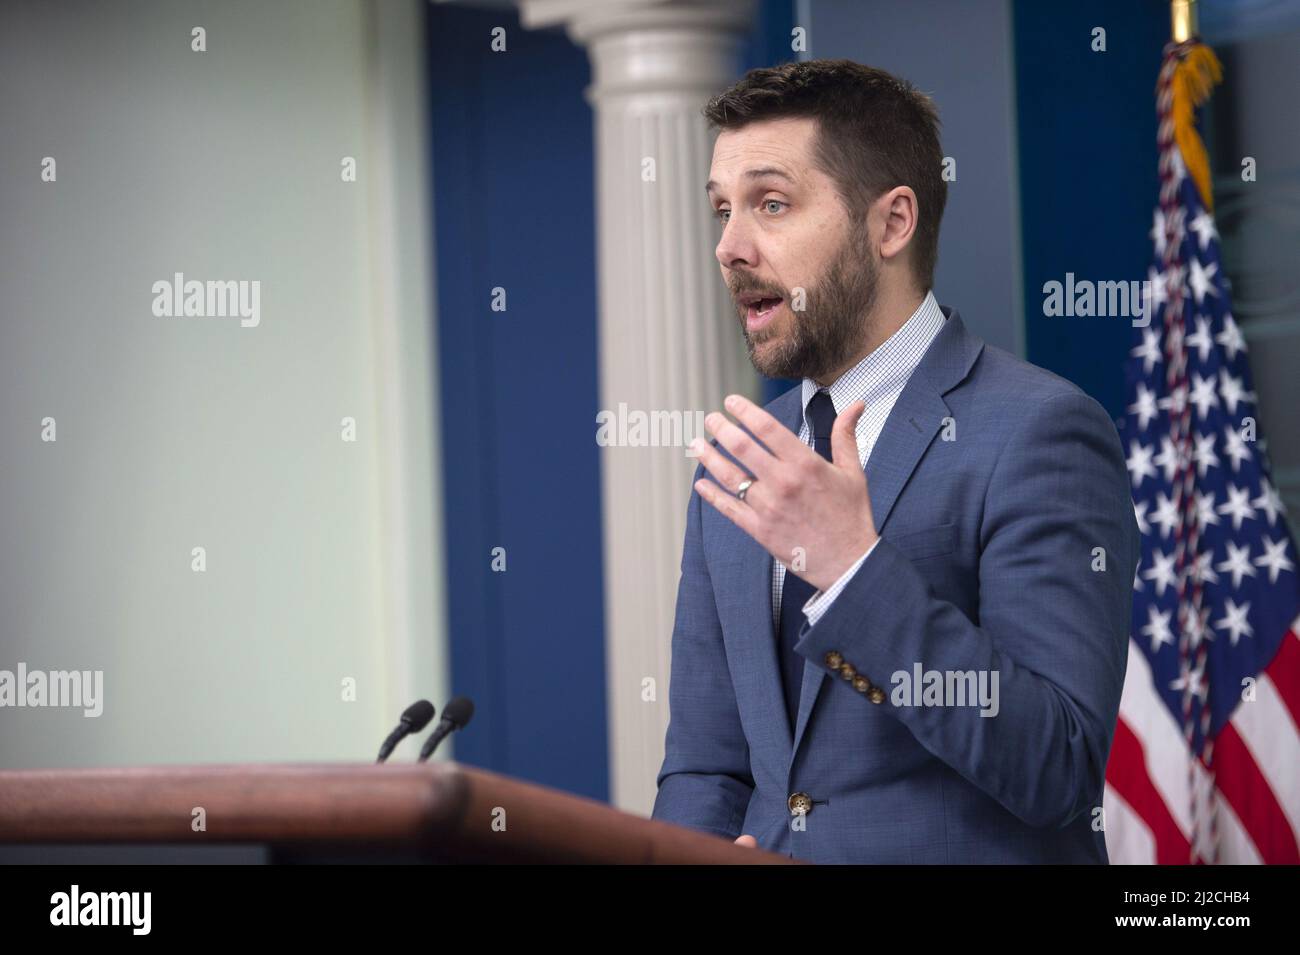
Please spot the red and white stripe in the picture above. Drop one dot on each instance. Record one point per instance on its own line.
(1256, 793)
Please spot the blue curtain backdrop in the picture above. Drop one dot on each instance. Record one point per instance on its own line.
(513, 207)
(1088, 183)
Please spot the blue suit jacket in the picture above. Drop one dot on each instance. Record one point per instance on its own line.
(1008, 544)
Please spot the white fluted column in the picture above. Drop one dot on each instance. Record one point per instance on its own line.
(669, 339)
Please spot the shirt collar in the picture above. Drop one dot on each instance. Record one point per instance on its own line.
(890, 365)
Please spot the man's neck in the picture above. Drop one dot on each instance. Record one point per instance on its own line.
(889, 316)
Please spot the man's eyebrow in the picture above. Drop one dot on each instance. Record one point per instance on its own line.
(758, 173)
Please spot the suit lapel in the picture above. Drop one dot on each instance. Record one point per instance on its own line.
(756, 585)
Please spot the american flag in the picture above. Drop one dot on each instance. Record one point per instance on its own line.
(1205, 766)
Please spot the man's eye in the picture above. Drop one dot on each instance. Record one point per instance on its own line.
(768, 203)
(721, 214)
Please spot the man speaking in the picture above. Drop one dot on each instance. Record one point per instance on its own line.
(903, 613)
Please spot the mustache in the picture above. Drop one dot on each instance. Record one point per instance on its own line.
(746, 286)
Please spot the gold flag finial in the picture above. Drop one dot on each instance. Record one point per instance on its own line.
(1182, 17)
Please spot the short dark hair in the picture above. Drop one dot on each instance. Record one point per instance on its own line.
(875, 131)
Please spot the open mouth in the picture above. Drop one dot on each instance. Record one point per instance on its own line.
(759, 310)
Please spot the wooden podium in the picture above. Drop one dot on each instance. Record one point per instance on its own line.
(339, 812)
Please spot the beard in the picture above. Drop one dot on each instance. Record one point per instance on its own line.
(831, 328)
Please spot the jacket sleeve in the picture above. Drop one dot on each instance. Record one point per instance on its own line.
(705, 782)
(1051, 625)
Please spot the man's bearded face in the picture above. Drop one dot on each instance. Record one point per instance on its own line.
(786, 343)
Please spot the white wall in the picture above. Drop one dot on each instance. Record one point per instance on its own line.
(323, 557)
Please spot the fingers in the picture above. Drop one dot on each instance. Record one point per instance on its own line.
(738, 512)
(726, 472)
(747, 840)
(780, 440)
(742, 446)
(844, 437)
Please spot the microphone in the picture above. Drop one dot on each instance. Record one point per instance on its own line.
(415, 718)
(454, 716)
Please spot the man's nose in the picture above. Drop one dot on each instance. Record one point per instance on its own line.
(736, 247)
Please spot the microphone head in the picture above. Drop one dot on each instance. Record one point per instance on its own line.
(459, 711)
(418, 715)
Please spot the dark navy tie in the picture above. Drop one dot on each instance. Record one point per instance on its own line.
(796, 591)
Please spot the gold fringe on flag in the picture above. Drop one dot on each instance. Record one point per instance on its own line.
(1197, 72)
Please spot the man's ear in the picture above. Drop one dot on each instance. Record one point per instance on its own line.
(898, 212)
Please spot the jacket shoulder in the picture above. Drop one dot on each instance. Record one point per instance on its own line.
(1005, 383)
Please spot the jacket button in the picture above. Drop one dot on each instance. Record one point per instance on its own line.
(876, 695)
(847, 670)
(833, 659)
(861, 684)
(800, 804)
